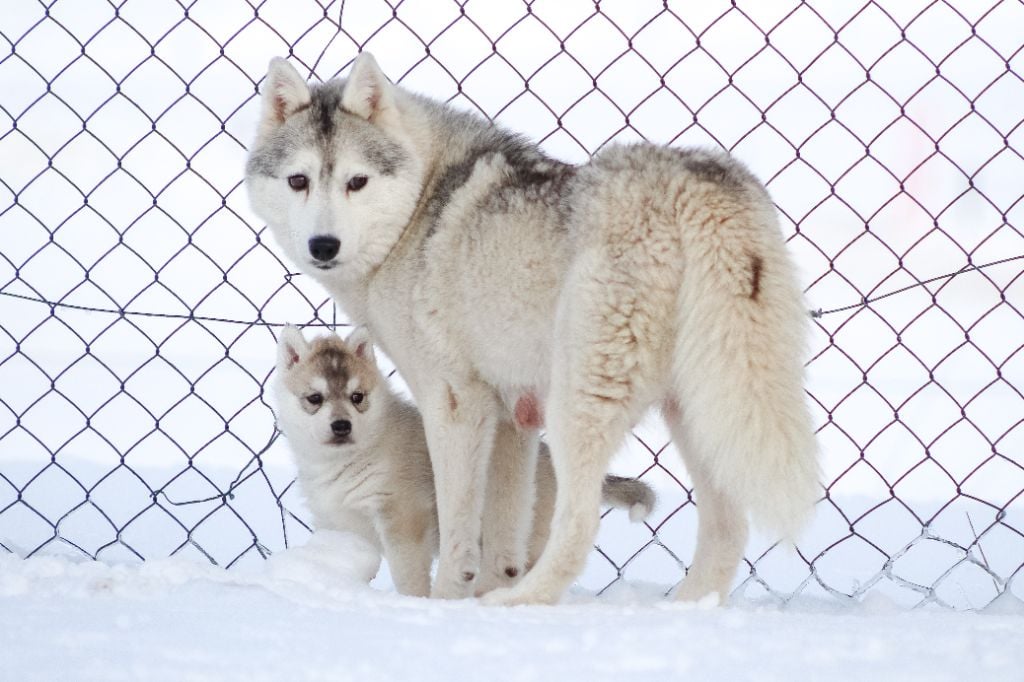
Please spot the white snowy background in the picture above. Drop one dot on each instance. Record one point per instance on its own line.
(889, 134)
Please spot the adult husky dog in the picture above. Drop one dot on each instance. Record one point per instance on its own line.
(512, 290)
(362, 456)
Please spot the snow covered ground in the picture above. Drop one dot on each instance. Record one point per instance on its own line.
(298, 617)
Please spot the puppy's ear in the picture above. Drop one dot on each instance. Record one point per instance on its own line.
(368, 92)
(284, 93)
(359, 342)
(292, 348)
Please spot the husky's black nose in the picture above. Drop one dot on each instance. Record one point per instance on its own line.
(324, 248)
(341, 427)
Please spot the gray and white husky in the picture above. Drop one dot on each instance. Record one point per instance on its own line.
(362, 460)
(513, 291)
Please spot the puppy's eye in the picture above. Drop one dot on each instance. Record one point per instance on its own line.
(357, 398)
(314, 399)
(298, 182)
(357, 183)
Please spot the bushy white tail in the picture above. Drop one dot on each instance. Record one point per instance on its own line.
(738, 371)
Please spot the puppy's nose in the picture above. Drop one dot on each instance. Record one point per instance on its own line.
(341, 427)
(324, 248)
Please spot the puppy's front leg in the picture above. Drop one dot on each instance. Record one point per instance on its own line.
(408, 536)
(460, 422)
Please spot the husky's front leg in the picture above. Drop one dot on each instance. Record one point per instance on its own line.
(460, 423)
(508, 506)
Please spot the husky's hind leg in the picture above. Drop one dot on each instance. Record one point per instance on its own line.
(722, 525)
(600, 369)
(582, 441)
(630, 494)
(508, 507)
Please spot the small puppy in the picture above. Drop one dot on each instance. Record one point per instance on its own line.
(362, 457)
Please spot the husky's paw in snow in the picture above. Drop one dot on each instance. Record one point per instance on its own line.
(513, 290)
(362, 459)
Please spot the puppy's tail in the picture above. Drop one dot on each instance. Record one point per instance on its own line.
(738, 369)
(631, 494)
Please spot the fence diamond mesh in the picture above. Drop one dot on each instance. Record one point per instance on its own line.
(139, 295)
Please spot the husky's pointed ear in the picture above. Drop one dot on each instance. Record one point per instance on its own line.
(284, 93)
(368, 92)
(292, 348)
(359, 342)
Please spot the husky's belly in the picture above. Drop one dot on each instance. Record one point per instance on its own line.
(509, 286)
(513, 358)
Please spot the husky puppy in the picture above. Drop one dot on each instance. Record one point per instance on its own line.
(512, 290)
(362, 457)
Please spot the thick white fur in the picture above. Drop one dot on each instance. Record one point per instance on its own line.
(666, 284)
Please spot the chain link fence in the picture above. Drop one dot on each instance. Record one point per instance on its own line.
(138, 295)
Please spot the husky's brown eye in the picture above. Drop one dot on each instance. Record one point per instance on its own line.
(314, 399)
(298, 182)
(357, 183)
(357, 398)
